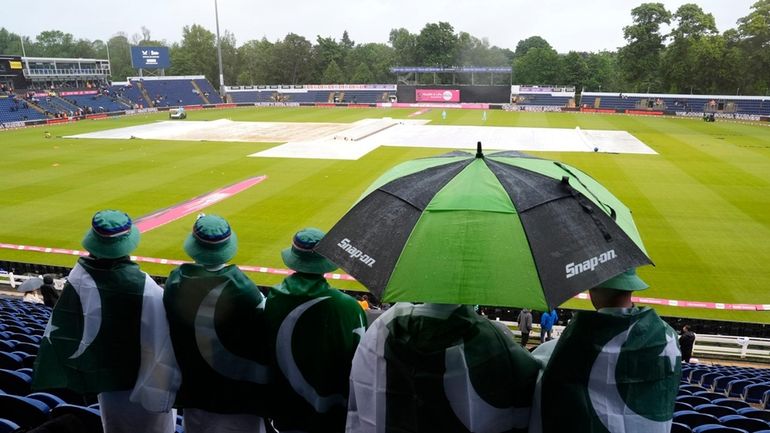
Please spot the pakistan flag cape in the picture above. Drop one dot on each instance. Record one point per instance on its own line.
(218, 332)
(108, 332)
(616, 373)
(439, 368)
(314, 332)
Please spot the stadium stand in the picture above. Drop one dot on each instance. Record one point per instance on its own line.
(11, 111)
(543, 96)
(756, 105)
(322, 96)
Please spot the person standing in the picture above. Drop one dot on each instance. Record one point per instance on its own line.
(50, 295)
(443, 114)
(108, 334)
(313, 330)
(435, 368)
(215, 314)
(686, 342)
(525, 325)
(616, 369)
(547, 320)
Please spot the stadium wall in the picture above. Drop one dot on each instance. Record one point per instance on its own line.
(467, 94)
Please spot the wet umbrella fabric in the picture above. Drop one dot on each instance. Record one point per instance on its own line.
(504, 229)
(32, 283)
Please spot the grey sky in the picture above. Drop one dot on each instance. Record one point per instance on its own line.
(567, 24)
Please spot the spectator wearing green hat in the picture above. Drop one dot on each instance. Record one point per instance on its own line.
(215, 315)
(615, 369)
(108, 334)
(314, 330)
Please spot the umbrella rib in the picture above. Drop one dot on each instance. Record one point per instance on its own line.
(613, 214)
(402, 199)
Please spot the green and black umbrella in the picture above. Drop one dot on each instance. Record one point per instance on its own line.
(503, 229)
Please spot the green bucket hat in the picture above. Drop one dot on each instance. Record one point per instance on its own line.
(112, 235)
(301, 257)
(212, 241)
(627, 281)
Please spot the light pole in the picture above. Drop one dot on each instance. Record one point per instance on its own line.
(219, 54)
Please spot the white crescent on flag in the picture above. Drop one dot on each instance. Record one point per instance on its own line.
(612, 411)
(288, 364)
(215, 353)
(91, 304)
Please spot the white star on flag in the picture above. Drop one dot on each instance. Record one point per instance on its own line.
(671, 351)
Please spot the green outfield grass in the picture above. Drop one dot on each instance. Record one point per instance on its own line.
(702, 204)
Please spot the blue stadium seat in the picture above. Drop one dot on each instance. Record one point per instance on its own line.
(88, 416)
(692, 388)
(28, 348)
(694, 419)
(26, 412)
(721, 382)
(731, 402)
(708, 394)
(6, 346)
(739, 421)
(716, 410)
(49, 399)
(680, 405)
(25, 338)
(707, 380)
(10, 361)
(716, 428)
(693, 400)
(754, 393)
(735, 387)
(8, 426)
(677, 427)
(751, 412)
(14, 382)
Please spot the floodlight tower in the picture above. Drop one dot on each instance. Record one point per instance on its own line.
(219, 54)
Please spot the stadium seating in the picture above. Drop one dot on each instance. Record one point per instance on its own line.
(754, 393)
(736, 404)
(13, 382)
(752, 412)
(678, 427)
(7, 426)
(311, 96)
(172, 91)
(49, 399)
(26, 412)
(698, 103)
(90, 417)
(6, 115)
(694, 419)
(748, 424)
(716, 428)
(716, 410)
(213, 95)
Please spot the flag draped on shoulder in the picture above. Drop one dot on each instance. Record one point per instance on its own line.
(218, 333)
(92, 341)
(616, 373)
(314, 331)
(439, 368)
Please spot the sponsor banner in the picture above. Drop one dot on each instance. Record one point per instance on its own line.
(532, 108)
(150, 57)
(277, 104)
(10, 125)
(142, 111)
(645, 112)
(729, 116)
(437, 95)
(331, 87)
(13, 64)
(226, 105)
(464, 69)
(598, 110)
(78, 93)
(96, 116)
(361, 105)
(764, 118)
(193, 107)
(55, 121)
(429, 105)
(325, 105)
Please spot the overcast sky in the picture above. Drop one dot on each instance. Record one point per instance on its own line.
(579, 25)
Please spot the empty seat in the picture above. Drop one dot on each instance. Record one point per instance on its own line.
(751, 412)
(29, 348)
(708, 379)
(716, 428)
(753, 393)
(693, 400)
(731, 402)
(677, 427)
(735, 387)
(696, 374)
(694, 419)
(716, 410)
(10, 361)
(8, 426)
(26, 412)
(49, 399)
(751, 425)
(708, 394)
(692, 388)
(14, 382)
(680, 405)
(720, 383)
(88, 416)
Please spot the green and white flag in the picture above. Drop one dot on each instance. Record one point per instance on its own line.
(314, 331)
(219, 336)
(439, 368)
(107, 326)
(616, 373)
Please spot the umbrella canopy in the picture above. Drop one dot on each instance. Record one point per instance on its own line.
(32, 283)
(504, 229)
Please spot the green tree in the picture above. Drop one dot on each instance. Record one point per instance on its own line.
(678, 61)
(525, 45)
(575, 70)
(196, 54)
(538, 66)
(291, 60)
(404, 44)
(362, 75)
(437, 45)
(120, 57)
(639, 60)
(254, 59)
(333, 74)
(754, 34)
(10, 43)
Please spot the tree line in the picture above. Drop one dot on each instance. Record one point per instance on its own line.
(692, 57)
